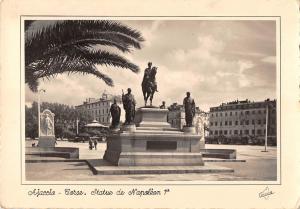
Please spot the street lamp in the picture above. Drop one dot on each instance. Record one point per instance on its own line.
(266, 135)
(77, 121)
(39, 110)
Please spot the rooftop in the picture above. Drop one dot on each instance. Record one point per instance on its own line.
(104, 97)
(242, 104)
(176, 106)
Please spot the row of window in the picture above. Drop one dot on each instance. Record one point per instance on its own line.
(89, 106)
(236, 132)
(245, 106)
(99, 111)
(242, 122)
(247, 112)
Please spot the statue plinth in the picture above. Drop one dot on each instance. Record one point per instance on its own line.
(128, 128)
(189, 129)
(152, 117)
(46, 141)
(153, 143)
(115, 129)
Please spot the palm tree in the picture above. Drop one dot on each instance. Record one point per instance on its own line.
(76, 46)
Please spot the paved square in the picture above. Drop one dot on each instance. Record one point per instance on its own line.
(259, 166)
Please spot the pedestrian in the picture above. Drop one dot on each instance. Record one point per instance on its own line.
(90, 144)
(95, 143)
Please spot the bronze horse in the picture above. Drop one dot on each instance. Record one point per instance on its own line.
(149, 86)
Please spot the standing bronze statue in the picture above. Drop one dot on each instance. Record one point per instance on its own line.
(163, 105)
(115, 112)
(129, 107)
(190, 109)
(149, 85)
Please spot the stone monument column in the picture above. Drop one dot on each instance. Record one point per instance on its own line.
(47, 135)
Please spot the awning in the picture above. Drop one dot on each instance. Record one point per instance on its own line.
(95, 124)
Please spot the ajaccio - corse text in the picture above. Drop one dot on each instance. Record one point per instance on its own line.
(74, 192)
(40, 192)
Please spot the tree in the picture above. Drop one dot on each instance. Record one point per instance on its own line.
(31, 121)
(64, 119)
(76, 46)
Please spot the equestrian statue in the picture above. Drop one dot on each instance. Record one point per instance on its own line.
(149, 85)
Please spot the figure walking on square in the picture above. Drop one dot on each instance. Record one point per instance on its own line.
(129, 107)
(95, 143)
(190, 109)
(90, 144)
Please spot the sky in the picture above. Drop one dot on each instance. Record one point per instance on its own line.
(216, 60)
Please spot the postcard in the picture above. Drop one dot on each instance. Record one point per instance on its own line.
(148, 104)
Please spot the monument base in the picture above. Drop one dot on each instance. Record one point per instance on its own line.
(115, 129)
(153, 158)
(40, 153)
(104, 168)
(153, 143)
(129, 128)
(189, 129)
(46, 141)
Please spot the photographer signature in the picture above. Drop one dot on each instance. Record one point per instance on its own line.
(265, 193)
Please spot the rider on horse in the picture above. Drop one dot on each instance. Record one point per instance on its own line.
(147, 72)
(149, 85)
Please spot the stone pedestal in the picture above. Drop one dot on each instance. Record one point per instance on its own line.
(115, 130)
(152, 118)
(46, 141)
(153, 143)
(190, 130)
(129, 128)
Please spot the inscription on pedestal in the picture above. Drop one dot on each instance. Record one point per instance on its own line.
(161, 145)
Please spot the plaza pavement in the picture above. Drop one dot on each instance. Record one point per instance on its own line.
(259, 166)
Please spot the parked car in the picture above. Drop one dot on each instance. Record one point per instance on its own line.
(82, 137)
(211, 140)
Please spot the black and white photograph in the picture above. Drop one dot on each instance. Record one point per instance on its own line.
(152, 99)
(149, 104)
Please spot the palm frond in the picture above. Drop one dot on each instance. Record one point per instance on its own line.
(59, 68)
(31, 81)
(89, 56)
(62, 33)
(68, 46)
(38, 53)
(108, 25)
(27, 24)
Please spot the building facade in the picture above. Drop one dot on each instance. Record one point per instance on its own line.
(243, 118)
(99, 109)
(176, 117)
